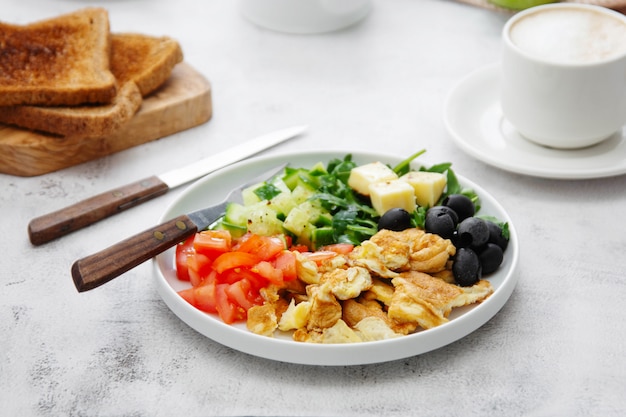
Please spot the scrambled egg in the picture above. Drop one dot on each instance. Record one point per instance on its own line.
(391, 285)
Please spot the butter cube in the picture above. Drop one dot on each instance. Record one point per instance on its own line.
(362, 176)
(392, 194)
(427, 186)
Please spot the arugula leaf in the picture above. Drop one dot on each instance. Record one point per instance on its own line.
(504, 226)
(405, 166)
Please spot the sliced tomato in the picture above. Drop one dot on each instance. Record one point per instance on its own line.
(230, 260)
(233, 275)
(286, 262)
(228, 311)
(189, 295)
(199, 267)
(269, 272)
(203, 297)
(264, 247)
(212, 243)
(206, 297)
(183, 251)
(240, 293)
(339, 248)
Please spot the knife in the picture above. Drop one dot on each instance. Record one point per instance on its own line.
(59, 223)
(101, 267)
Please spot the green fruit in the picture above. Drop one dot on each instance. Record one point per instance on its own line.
(521, 4)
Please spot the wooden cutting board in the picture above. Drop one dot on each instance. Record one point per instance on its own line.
(184, 101)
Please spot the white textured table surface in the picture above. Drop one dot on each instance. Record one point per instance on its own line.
(556, 348)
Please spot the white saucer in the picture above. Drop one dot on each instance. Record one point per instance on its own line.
(473, 117)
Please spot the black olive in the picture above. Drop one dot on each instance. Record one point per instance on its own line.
(495, 235)
(472, 232)
(395, 219)
(490, 258)
(466, 267)
(461, 204)
(441, 220)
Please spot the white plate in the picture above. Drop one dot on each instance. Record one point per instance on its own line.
(214, 187)
(473, 117)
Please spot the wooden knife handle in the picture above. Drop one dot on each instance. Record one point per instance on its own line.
(102, 267)
(59, 223)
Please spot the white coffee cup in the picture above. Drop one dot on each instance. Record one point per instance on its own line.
(305, 16)
(564, 74)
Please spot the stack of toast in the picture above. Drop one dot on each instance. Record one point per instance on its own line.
(69, 78)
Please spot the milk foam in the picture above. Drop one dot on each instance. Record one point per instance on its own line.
(571, 36)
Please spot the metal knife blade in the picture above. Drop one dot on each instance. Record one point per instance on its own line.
(100, 268)
(69, 219)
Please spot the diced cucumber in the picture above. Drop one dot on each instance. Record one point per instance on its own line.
(301, 177)
(263, 220)
(248, 195)
(236, 214)
(234, 229)
(291, 177)
(324, 219)
(322, 236)
(283, 203)
(301, 193)
(297, 221)
(318, 169)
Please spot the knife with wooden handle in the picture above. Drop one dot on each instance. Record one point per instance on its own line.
(100, 268)
(59, 223)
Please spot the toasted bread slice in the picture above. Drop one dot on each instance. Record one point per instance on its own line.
(145, 60)
(140, 64)
(59, 61)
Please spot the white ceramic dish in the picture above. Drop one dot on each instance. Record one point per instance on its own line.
(305, 16)
(214, 187)
(474, 119)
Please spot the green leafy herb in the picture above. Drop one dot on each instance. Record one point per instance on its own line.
(405, 166)
(504, 226)
(267, 191)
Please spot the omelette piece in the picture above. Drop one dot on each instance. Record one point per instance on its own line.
(339, 333)
(427, 301)
(346, 283)
(325, 309)
(369, 255)
(355, 312)
(429, 252)
(306, 269)
(262, 320)
(374, 328)
(394, 250)
(296, 316)
(380, 291)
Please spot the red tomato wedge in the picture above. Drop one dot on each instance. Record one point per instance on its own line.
(264, 247)
(212, 243)
(230, 260)
(199, 267)
(267, 271)
(184, 251)
(339, 248)
(286, 262)
(229, 311)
